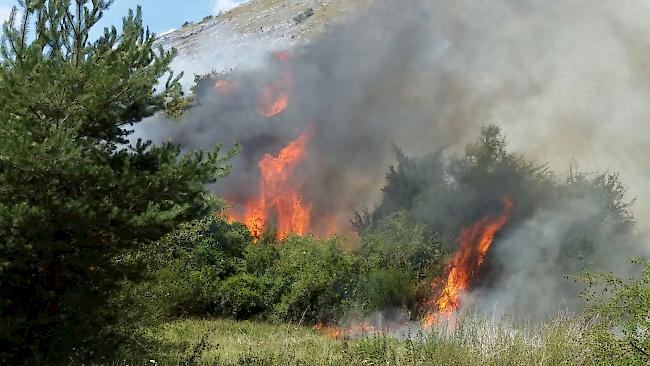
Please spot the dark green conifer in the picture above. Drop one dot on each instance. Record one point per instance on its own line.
(74, 191)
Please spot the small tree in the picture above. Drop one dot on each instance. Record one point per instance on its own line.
(622, 310)
(74, 192)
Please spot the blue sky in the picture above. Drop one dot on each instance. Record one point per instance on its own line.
(159, 15)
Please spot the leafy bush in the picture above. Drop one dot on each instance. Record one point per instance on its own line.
(397, 261)
(185, 269)
(310, 279)
(211, 267)
(242, 296)
(380, 289)
(622, 311)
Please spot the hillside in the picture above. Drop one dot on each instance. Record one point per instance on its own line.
(242, 36)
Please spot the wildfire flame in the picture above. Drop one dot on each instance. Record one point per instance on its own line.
(225, 87)
(277, 196)
(335, 332)
(274, 98)
(278, 202)
(474, 243)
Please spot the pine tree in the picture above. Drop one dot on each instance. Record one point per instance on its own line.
(74, 191)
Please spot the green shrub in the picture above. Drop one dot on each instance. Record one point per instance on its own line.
(397, 262)
(622, 312)
(397, 241)
(384, 288)
(242, 296)
(260, 258)
(310, 279)
(210, 267)
(185, 269)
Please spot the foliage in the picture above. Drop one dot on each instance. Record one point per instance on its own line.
(398, 262)
(75, 192)
(622, 308)
(210, 267)
(405, 182)
(184, 270)
(242, 295)
(310, 279)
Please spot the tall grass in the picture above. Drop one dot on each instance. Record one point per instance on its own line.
(474, 340)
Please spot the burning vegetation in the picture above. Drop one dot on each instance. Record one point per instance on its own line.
(448, 230)
(398, 265)
(310, 237)
(442, 234)
(278, 198)
(457, 204)
(473, 245)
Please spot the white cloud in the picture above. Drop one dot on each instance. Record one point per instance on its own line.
(225, 5)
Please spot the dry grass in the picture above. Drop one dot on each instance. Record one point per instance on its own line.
(475, 341)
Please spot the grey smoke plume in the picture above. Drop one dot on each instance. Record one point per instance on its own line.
(536, 272)
(567, 81)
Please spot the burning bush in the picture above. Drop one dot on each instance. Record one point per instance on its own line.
(554, 227)
(433, 208)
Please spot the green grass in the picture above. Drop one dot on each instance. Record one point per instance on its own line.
(473, 342)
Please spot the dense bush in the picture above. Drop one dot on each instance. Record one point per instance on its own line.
(242, 296)
(184, 270)
(398, 263)
(210, 267)
(622, 315)
(310, 279)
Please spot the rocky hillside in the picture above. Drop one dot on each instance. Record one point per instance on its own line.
(241, 37)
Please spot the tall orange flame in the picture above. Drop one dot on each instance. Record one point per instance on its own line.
(474, 243)
(277, 196)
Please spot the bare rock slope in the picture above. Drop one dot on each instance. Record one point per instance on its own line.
(241, 37)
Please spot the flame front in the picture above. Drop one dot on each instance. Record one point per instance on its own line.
(474, 243)
(356, 330)
(277, 196)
